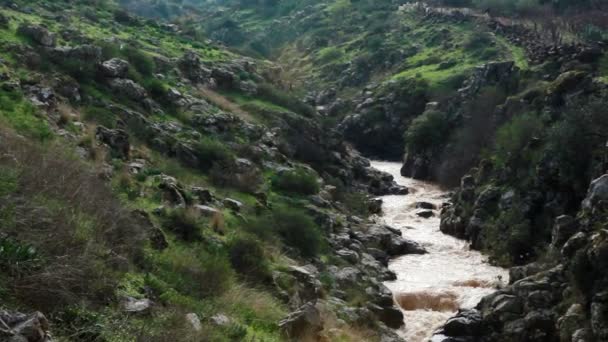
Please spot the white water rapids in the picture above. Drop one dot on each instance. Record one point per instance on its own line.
(430, 288)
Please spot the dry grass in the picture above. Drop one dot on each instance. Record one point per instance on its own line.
(66, 114)
(65, 211)
(218, 224)
(224, 103)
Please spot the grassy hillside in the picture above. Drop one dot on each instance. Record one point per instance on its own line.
(155, 186)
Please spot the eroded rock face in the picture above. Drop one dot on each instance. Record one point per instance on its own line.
(537, 305)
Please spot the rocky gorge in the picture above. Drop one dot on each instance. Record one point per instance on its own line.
(203, 173)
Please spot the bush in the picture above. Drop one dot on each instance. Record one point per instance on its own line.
(157, 89)
(82, 235)
(247, 181)
(211, 152)
(185, 223)
(271, 94)
(297, 181)
(294, 227)
(512, 137)
(330, 54)
(17, 258)
(195, 272)
(82, 71)
(142, 62)
(427, 132)
(101, 116)
(248, 258)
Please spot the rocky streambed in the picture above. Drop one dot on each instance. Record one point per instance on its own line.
(430, 288)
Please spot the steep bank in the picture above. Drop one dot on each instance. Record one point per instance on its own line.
(431, 287)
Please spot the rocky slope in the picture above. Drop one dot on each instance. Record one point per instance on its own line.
(527, 200)
(158, 187)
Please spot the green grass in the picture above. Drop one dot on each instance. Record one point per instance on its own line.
(22, 116)
(518, 53)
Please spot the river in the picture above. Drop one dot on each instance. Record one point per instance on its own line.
(430, 288)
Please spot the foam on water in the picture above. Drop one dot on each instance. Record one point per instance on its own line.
(430, 288)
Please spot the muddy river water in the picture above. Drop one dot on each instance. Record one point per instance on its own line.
(430, 288)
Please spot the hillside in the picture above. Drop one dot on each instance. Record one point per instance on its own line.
(156, 187)
(197, 170)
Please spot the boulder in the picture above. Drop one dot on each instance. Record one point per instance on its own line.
(157, 237)
(202, 194)
(172, 192)
(391, 316)
(348, 255)
(128, 88)
(132, 305)
(347, 276)
(194, 321)
(599, 316)
(25, 328)
(308, 287)
(38, 34)
(85, 54)
(114, 68)
(571, 321)
(576, 242)
(425, 213)
(598, 191)
(221, 320)
(232, 204)
(401, 246)
(304, 323)
(466, 323)
(205, 211)
(116, 139)
(565, 226)
(191, 67)
(375, 206)
(425, 205)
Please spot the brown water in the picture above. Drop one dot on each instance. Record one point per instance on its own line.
(430, 288)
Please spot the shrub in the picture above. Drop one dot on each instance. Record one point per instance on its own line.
(185, 223)
(427, 132)
(294, 227)
(509, 238)
(271, 94)
(157, 89)
(142, 62)
(248, 258)
(17, 258)
(297, 181)
(101, 116)
(478, 40)
(513, 136)
(82, 71)
(330, 54)
(247, 181)
(83, 236)
(211, 151)
(195, 272)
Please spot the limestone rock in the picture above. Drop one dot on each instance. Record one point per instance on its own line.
(114, 68)
(39, 34)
